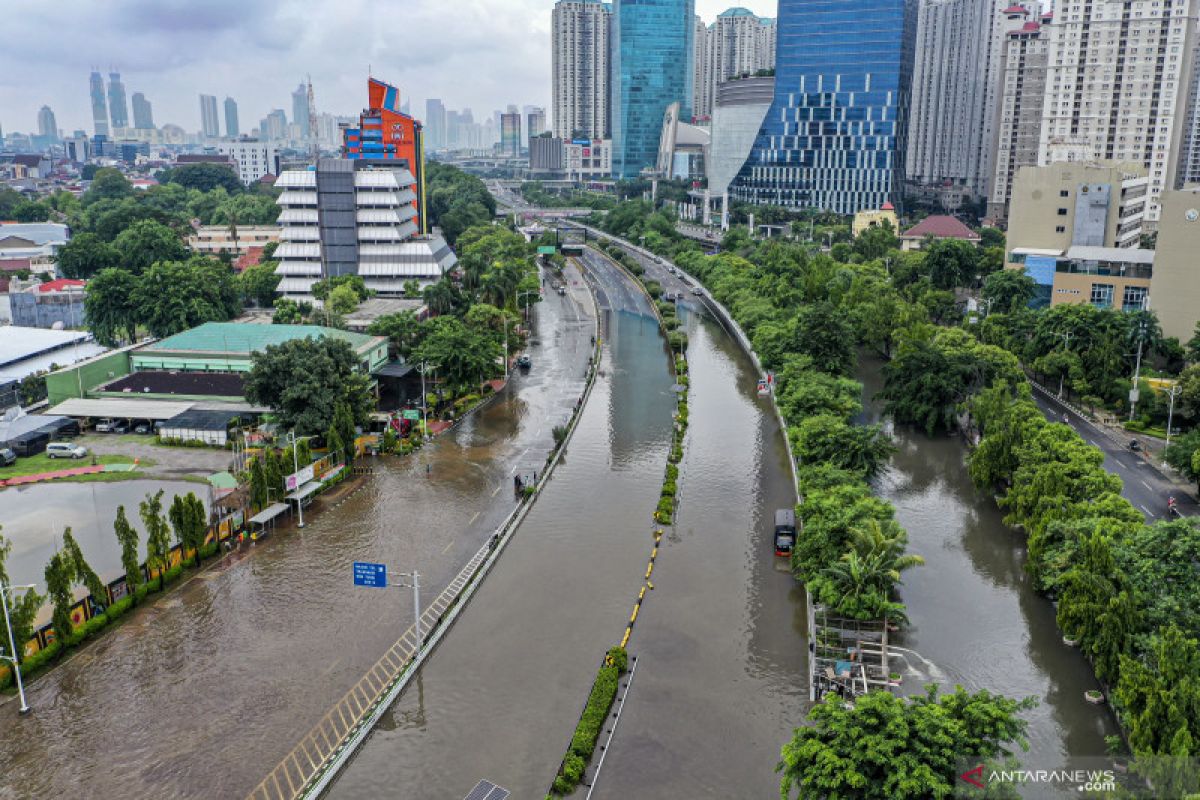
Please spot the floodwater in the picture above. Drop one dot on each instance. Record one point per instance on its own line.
(203, 692)
(33, 518)
(976, 619)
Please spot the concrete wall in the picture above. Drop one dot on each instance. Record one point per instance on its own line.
(1175, 288)
(67, 383)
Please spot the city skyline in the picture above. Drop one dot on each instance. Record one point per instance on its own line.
(170, 55)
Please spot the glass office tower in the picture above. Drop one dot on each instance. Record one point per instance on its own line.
(834, 137)
(652, 43)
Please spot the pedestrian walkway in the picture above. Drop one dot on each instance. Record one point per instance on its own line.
(22, 480)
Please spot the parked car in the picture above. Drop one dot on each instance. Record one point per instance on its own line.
(672, 270)
(562, 290)
(120, 427)
(524, 361)
(143, 428)
(105, 426)
(7, 457)
(65, 450)
(696, 290)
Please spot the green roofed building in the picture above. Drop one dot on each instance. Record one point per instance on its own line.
(227, 347)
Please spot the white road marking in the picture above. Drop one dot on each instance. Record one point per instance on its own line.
(497, 489)
(1148, 511)
(476, 515)
(448, 546)
(1148, 486)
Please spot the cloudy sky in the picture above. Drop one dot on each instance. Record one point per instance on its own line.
(480, 54)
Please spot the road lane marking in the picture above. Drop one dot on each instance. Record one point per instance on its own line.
(494, 492)
(1148, 511)
(1148, 486)
(449, 545)
(476, 515)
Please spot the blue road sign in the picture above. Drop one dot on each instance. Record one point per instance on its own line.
(368, 574)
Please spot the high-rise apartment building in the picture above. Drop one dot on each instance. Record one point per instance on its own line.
(834, 137)
(435, 124)
(738, 43)
(99, 104)
(300, 109)
(252, 158)
(143, 112)
(653, 45)
(1021, 93)
(954, 86)
(510, 134)
(274, 125)
(1117, 79)
(354, 217)
(118, 109)
(231, 118)
(1188, 171)
(581, 69)
(210, 120)
(535, 123)
(47, 125)
(386, 134)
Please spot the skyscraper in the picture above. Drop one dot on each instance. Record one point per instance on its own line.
(834, 136)
(274, 125)
(535, 122)
(47, 125)
(231, 118)
(652, 42)
(210, 120)
(738, 43)
(1116, 85)
(580, 66)
(387, 134)
(118, 109)
(435, 124)
(143, 114)
(300, 109)
(954, 86)
(510, 134)
(99, 105)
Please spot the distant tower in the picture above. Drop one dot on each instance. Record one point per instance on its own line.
(231, 118)
(210, 120)
(143, 113)
(300, 109)
(99, 105)
(118, 110)
(47, 126)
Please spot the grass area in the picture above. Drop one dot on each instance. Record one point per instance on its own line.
(32, 465)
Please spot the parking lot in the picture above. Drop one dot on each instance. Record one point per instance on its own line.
(166, 461)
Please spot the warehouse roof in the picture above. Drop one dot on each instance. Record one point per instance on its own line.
(237, 338)
(120, 408)
(19, 343)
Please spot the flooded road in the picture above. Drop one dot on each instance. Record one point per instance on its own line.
(500, 696)
(33, 518)
(976, 619)
(200, 694)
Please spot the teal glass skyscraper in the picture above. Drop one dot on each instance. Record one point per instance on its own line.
(652, 43)
(834, 136)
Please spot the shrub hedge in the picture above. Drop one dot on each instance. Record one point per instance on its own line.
(583, 743)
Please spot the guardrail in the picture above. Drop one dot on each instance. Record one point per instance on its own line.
(311, 766)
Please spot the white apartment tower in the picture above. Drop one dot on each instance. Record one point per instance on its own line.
(354, 217)
(954, 88)
(1117, 81)
(580, 40)
(1018, 122)
(738, 43)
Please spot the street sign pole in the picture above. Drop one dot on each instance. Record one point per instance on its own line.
(372, 575)
(5, 593)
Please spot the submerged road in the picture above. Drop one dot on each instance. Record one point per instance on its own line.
(201, 693)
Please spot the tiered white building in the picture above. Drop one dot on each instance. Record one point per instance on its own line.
(353, 217)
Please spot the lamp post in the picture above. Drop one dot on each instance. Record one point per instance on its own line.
(1066, 346)
(422, 368)
(1137, 371)
(416, 587)
(296, 468)
(5, 594)
(1174, 392)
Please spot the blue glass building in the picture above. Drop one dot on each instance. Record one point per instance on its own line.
(834, 136)
(652, 43)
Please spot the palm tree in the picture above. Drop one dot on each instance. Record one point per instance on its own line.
(439, 297)
(861, 584)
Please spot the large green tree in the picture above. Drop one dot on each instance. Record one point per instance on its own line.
(109, 305)
(203, 176)
(257, 283)
(825, 335)
(1008, 290)
(85, 255)
(158, 534)
(464, 357)
(890, 748)
(303, 380)
(127, 538)
(147, 242)
(174, 296)
(22, 606)
(402, 329)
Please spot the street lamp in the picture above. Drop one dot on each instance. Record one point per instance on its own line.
(1066, 346)
(1137, 371)
(5, 593)
(422, 368)
(1174, 392)
(416, 587)
(296, 467)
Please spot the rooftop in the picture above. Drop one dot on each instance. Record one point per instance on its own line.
(241, 339)
(19, 343)
(1125, 255)
(191, 384)
(940, 227)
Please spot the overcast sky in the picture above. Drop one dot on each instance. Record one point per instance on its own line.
(479, 54)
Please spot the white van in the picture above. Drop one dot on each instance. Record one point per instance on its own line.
(65, 450)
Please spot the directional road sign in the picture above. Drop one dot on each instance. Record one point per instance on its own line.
(368, 574)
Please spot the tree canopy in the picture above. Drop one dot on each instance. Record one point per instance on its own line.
(303, 380)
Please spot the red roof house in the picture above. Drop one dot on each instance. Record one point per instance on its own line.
(936, 227)
(60, 285)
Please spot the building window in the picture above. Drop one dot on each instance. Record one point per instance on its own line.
(1102, 295)
(1061, 229)
(1062, 212)
(1063, 193)
(1134, 298)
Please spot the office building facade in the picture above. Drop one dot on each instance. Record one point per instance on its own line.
(143, 112)
(300, 109)
(47, 124)
(386, 134)
(1117, 79)
(510, 134)
(210, 120)
(231, 118)
(834, 136)
(653, 43)
(1021, 94)
(954, 85)
(435, 124)
(99, 104)
(118, 108)
(354, 217)
(580, 66)
(535, 123)
(252, 158)
(737, 117)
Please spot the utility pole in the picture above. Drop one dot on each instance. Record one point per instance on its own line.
(5, 594)
(1137, 371)
(1175, 391)
(296, 466)
(1066, 346)
(416, 587)
(422, 368)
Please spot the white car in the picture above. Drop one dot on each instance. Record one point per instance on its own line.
(65, 450)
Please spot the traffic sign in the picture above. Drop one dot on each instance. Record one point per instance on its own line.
(545, 250)
(411, 413)
(369, 574)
